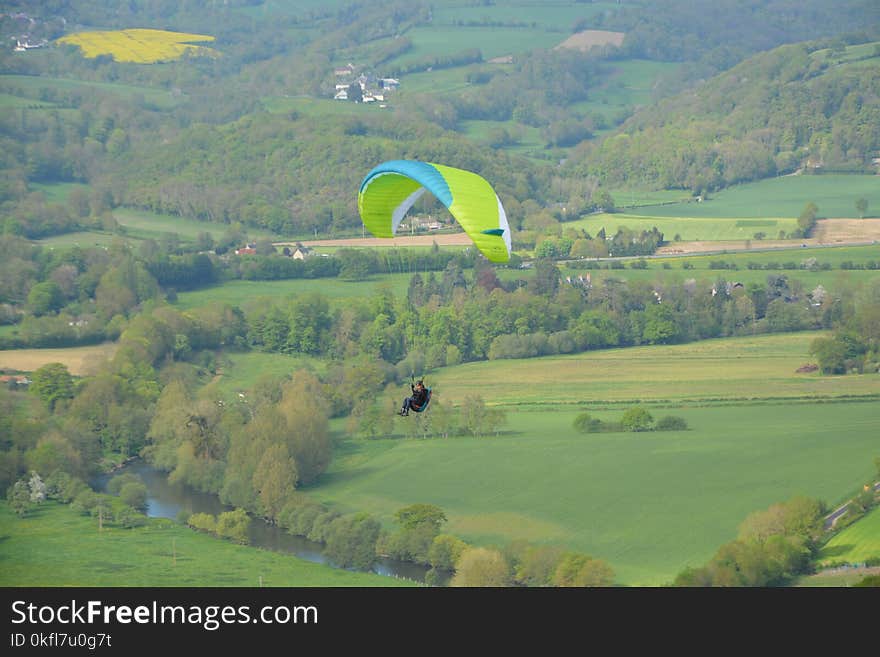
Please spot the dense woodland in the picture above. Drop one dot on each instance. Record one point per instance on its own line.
(206, 148)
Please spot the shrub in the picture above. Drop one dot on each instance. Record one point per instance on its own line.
(116, 484)
(637, 419)
(203, 522)
(129, 517)
(64, 487)
(585, 423)
(85, 501)
(445, 551)
(134, 494)
(234, 525)
(671, 423)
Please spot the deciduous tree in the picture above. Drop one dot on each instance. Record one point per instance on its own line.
(478, 566)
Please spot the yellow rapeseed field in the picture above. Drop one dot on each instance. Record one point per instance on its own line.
(140, 46)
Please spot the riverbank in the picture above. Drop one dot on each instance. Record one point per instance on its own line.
(165, 500)
(53, 545)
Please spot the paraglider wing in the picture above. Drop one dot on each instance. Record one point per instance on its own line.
(390, 190)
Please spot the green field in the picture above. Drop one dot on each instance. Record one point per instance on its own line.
(667, 270)
(13, 102)
(856, 543)
(832, 255)
(441, 81)
(143, 224)
(529, 137)
(442, 41)
(832, 281)
(754, 368)
(238, 293)
(29, 86)
(288, 7)
(627, 198)
(629, 85)
(650, 504)
(239, 372)
(834, 194)
(83, 239)
(687, 228)
(856, 53)
(137, 224)
(57, 192)
(55, 546)
(548, 16)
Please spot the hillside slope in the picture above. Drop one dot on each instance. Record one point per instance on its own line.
(795, 106)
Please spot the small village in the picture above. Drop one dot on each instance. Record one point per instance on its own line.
(365, 88)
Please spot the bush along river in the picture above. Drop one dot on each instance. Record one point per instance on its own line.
(165, 500)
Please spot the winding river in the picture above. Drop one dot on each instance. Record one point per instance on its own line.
(165, 500)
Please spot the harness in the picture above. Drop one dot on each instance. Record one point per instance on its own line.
(424, 405)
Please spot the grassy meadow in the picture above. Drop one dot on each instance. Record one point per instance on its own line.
(739, 212)
(834, 256)
(84, 239)
(144, 224)
(443, 41)
(28, 88)
(671, 269)
(237, 372)
(723, 370)
(337, 291)
(687, 228)
(54, 546)
(784, 197)
(649, 503)
(558, 17)
(629, 85)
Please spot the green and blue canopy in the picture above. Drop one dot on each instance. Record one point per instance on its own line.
(390, 190)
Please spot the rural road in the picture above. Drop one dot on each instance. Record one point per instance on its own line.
(832, 518)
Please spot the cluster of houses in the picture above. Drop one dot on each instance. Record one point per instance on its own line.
(21, 46)
(298, 252)
(13, 380)
(373, 88)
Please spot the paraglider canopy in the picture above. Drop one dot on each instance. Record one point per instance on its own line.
(390, 190)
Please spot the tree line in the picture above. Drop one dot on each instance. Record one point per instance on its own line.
(77, 296)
